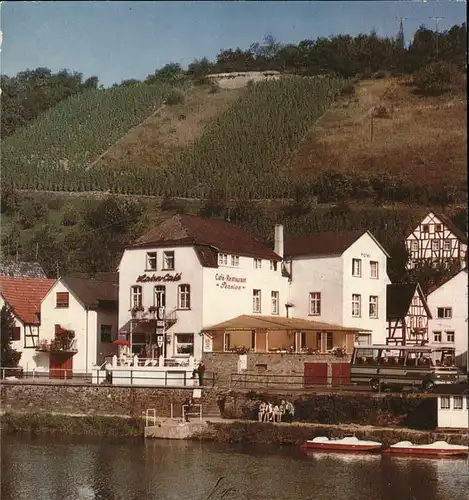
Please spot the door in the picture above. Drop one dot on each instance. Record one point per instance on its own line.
(60, 365)
(315, 374)
(340, 373)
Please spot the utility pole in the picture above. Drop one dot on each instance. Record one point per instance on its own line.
(437, 19)
(400, 34)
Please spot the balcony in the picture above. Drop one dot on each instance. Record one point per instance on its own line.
(56, 345)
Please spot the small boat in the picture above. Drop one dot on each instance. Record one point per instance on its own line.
(349, 444)
(438, 448)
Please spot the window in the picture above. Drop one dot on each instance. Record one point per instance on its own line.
(235, 260)
(15, 333)
(356, 267)
(457, 405)
(438, 228)
(318, 341)
(151, 261)
(168, 260)
(445, 403)
(315, 303)
(184, 297)
(420, 322)
(256, 301)
(273, 265)
(61, 299)
(373, 269)
(275, 302)
(415, 245)
(446, 244)
(253, 339)
(159, 296)
(425, 228)
(449, 336)
(303, 345)
(257, 263)
(136, 296)
(444, 312)
(184, 343)
(329, 341)
(373, 306)
(435, 244)
(227, 342)
(106, 333)
(436, 336)
(222, 259)
(356, 305)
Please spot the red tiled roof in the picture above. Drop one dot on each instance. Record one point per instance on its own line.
(328, 243)
(24, 296)
(219, 235)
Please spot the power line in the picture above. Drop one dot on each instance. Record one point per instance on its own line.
(437, 19)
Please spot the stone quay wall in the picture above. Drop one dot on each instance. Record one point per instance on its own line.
(104, 400)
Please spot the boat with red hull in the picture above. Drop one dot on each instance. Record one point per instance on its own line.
(347, 444)
(436, 449)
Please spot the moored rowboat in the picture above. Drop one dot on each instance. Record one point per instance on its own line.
(346, 444)
(438, 448)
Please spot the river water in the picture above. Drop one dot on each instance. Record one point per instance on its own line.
(58, 468)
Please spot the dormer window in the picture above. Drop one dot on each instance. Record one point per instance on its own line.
(151, 261)
(168, 260)
(273, 265)
(222, 259)
(257, 263)
(235, 260)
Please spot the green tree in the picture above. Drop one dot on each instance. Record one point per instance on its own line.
(9, 356)
(434, 79)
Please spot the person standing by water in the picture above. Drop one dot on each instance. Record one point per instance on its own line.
(201, 371)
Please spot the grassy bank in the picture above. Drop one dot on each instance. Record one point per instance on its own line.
(79, 425)
(294, 434)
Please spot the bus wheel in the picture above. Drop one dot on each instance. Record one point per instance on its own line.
(428, 386)
(375, 385)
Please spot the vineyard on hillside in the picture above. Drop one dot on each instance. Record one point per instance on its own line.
(245, 148)
(55, 151)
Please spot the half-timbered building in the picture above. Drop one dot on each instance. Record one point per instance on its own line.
(436, 240)
(407, 314)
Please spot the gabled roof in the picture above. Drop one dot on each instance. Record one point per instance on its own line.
(24, 296)
(210, 236)
(251, 322)
(104, 276)
(21, 269)
(399, 299)
(443, 282)
(447, 222)
(93, 293)
(327, 243)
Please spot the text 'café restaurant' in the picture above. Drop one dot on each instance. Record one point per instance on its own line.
(224, 290)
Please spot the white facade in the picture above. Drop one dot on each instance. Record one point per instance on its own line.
(29, 356)
(433, 240)
(453, 412)
(345, 282)
(216, 294)
(449, 308)
(86, 324)
(246, 285)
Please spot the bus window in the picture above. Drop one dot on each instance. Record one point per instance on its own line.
(365, 357)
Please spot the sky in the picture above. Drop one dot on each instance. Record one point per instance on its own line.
(120, 40)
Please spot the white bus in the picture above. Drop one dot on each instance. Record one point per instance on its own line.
(419, 367)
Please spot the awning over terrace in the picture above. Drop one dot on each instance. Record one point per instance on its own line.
(274, 333)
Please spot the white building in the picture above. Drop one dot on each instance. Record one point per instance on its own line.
(453, 411)
(448, 305)
(23, 297)
(436, 239)
(78, 325)
(340, 278)
(207, 271)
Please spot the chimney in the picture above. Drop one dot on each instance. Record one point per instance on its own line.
(278, 239)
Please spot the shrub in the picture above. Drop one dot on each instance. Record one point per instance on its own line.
(434, 79)
(174, 97)
(30, 212)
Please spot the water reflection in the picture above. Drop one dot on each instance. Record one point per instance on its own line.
(58, 468)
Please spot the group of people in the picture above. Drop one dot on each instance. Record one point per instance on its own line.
(269, 412)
